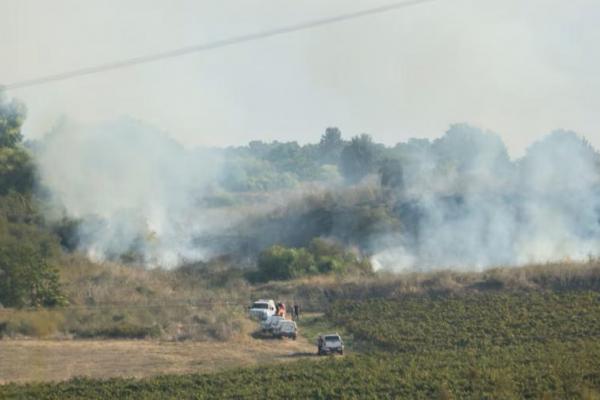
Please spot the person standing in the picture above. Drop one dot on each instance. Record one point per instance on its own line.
(296, 311)
(293, 311)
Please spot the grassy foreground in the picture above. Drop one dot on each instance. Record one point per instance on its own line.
(495, 344)
(554, 370)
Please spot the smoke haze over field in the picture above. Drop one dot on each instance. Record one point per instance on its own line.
(458, 201)
(442, 200)
(133, 187)
(488, 211)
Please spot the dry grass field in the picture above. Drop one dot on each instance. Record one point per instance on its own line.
(56, 360)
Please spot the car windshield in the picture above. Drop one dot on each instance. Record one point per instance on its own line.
(332, 339)
(262, 306)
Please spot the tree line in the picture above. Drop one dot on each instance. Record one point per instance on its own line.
(28, 247)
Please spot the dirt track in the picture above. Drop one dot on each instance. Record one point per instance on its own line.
(52, 360)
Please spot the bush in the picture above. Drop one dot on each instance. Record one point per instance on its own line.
(121, 330)
(321, 257)
(32, 323)
(26, 276)
(279, 262)
(114, 322)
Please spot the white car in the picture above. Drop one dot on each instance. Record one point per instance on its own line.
(262, 309)
(286, 328)
(271, 323)
(329, 344)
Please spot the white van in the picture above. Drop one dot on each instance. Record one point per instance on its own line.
(262, 309)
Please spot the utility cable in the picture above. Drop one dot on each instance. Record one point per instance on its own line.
(211, 45)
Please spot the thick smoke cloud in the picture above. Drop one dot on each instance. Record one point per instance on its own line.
(466, 205)
(133, 189)
(456, 202)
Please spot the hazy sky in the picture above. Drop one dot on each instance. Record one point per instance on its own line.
(520, 68)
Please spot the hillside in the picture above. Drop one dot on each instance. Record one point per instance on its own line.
(451, 269)
(309, 199)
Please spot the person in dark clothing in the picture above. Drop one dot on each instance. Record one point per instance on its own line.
(296, 312)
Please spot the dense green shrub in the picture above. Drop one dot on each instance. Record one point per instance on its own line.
(320, 257)
(32, 323)
(27, 276)
(27, 248)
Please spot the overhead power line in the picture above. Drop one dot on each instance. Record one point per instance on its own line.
(123, 305)
(212, 45)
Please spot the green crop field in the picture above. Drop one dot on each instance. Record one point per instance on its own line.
(476, 321)
(480, 345)
(561, 370)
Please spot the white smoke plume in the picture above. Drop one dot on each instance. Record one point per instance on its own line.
(132, 187)
(463, 203)
(467, 206)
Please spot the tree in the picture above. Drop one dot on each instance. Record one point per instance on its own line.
(472, 150)
(291, 157)
(331, 146)
(27, 247)
(12, 116)
(17, 172)
(359, 158)
(27, 277)
(561, 160)
(258, 148)
(16, 167)
(391, 174)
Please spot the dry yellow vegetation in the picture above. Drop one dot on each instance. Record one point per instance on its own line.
(56, 360)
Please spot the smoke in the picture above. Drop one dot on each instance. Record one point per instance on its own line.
(466, 205)
(133, 189)
(456, 202)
